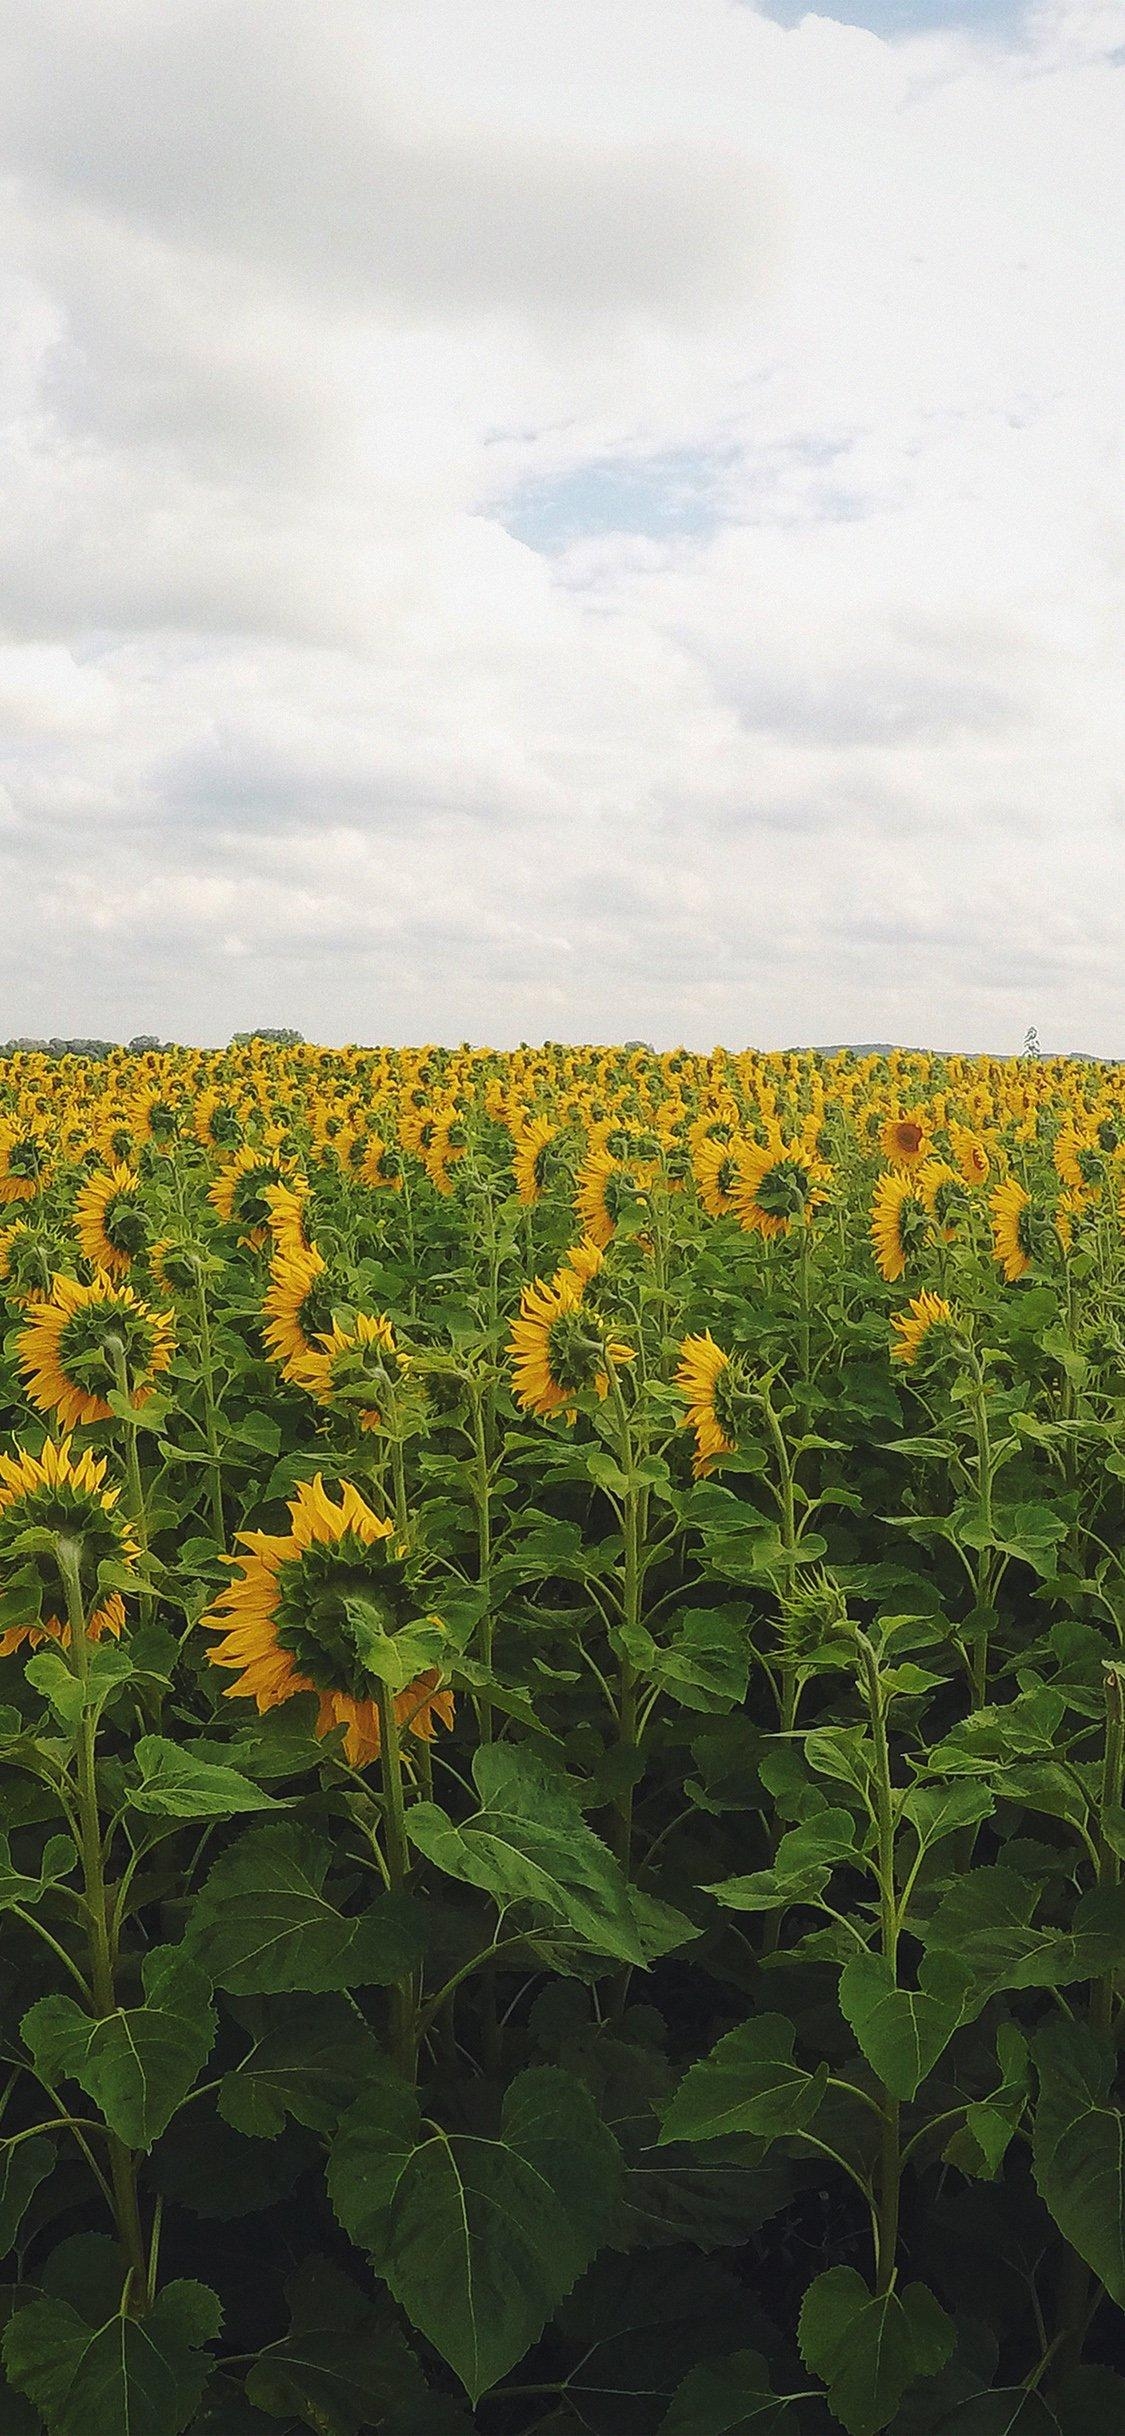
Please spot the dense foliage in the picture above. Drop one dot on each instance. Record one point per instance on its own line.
(562, 1745)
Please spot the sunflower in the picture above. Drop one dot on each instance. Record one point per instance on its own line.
(1012, 1243)
(56, 1491)
(713, 1386)
(379, 1165)
(912, 1327)
(66, 1348)
(942, 1193)
(584, 1260)
(529, 1158)
(558, 1349)
(973, 1163)
(774, 1183)
(900, 1224)
(26, 1262)
(905, 1139)
(285, 1206)
(352, 1367)
(304, 1614)
(216, 1125)
(714, 1166)
(299, 1304)
(603, 1187)
(110, 1222)
(242, 1189)
(24, 1168)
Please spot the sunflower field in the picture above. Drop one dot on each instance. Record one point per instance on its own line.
(562, 1720)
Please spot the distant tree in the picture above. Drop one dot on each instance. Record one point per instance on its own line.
(278, 1035)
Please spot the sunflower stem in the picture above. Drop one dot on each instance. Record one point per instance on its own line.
(210, 1409)
(122, 2161)
(403, 2011)
(132, 1466)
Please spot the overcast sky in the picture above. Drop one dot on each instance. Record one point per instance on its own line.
(563, 518)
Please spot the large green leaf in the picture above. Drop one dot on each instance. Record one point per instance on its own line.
(137, 2064)
(311, 2055)
(263, 1923)
(120, 2376)
(706, 1664)
(24, 2164)
(748, 2083)
(901, 2031)
(479, 2239)
(1078, 2147)
(528, 1844)
(732, 2397)
(176, 1785)
(344, 2364)
(870, 2348)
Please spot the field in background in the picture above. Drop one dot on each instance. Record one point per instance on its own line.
(563, 1743)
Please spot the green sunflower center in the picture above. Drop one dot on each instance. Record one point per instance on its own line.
(575, 1353)
(79, 1515)
(125, 1225)
(784, 1189)
(86, 1343)
(338, 1601)
(249, 1206)
(224, 1127)
(23, 1158)
(730, 1400)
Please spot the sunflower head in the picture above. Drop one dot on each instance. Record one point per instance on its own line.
(329, 1608)
(1022, 1234)
(925, 1332)
(943, 1194)
(354, 1368)
(69, 1348)
(530, 1158)
(776, 1184)
(28, 1262)
(300, 1304)
(905, 1139)
(559, 1348)
(243, 1189)
(718, 1399)
(24, 1163)
(65, 1494)
(110, 1221)
(900, 1224)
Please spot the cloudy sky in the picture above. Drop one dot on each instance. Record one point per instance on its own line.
(563, 518)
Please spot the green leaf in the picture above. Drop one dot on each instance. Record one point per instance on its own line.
(23, 2167)
(705, 1667)
(262, 1922)
(344, 2365)
(935, 1811)
(110, 1666)
(901, 2031)
(870, 2348)
(310, 2056)
(528, 1843)
(729, 2398)
(478, 2239)
(1078, 2147)
(804, 1862)
(137, 2065)
(748, 2083)
(177, 1785)
(141, 2375)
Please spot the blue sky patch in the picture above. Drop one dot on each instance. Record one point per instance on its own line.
(677, 493)
(895, 18)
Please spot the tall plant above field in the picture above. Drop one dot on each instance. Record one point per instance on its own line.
(562, 1735)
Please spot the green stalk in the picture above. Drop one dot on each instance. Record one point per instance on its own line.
(207, 1372)
(403, 2022)
(890, 2158)
(122, 2161)
(132, 1464)
(482, 1498)
(984, 1555)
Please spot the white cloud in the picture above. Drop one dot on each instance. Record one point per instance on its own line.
(299, 297)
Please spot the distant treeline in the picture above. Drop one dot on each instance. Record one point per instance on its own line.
(279, 1036)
